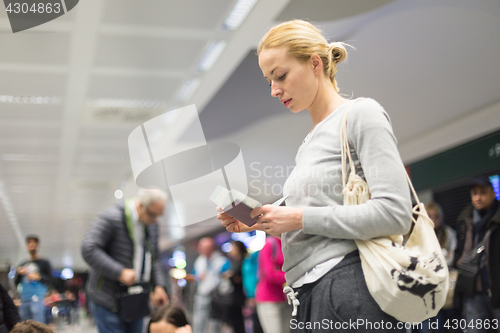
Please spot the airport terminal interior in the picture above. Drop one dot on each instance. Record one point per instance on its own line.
(107, 97)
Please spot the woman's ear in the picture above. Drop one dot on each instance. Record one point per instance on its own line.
(316, 63)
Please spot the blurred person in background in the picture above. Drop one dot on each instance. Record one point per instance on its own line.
(250, 278)
(447, 238)
(169, 318)
(9, 316)
(473, 222)
(207, 273)
(121, 247)
(30, 326)
(33, 277)
(233, 314)
(272, 307)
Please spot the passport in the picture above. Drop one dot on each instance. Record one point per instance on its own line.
(239, 205)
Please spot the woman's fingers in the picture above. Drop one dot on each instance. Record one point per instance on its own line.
(222, 216)
(233, 227)
(229, 221)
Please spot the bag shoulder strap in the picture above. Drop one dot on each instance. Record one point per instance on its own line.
(345, 150)
(480, 246)
(344, 146)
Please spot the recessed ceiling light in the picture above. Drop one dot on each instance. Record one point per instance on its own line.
(30, 99)
(118, 194)
(239, 13)
(28, 158)
(188, 89)
(213, 53)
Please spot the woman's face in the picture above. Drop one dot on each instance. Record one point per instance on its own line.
(162, 327)
(293, 82)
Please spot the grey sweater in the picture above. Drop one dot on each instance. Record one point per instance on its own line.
(329, 228)
(108, 249)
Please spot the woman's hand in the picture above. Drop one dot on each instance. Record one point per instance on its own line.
(233, 225)
(158, 296)
(276, 220)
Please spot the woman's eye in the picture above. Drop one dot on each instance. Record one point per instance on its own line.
(282, 77)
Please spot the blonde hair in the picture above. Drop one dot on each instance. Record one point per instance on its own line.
(302, 39)
(437, 208)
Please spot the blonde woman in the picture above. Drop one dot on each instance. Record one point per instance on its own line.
(446, 236)
(321, 262)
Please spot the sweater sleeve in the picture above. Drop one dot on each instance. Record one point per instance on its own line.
(267, 267)
(388, 212)
(94, 245)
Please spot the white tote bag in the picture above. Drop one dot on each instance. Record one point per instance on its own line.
(409, 282)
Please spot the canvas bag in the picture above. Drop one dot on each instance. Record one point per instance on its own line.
(409, 282)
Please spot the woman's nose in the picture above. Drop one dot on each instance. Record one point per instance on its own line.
(275, 90)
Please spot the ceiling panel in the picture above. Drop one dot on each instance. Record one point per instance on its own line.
(115, 133)
(139, 52)
(110, 143)
(43, 203)
(192, 14)
(35, 48)
(133, 88)
(111, 172)
(37, 153)
(30, 111)
(11, 169)
(32, 84)
(28, 132)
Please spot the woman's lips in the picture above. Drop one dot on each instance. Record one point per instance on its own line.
(287, 102)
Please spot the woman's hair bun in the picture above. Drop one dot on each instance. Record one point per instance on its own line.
(338, 52)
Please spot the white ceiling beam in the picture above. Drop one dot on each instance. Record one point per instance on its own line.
(82, 51)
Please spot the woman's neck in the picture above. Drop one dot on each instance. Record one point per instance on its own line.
(326, 101)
